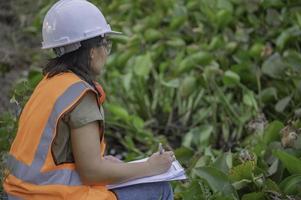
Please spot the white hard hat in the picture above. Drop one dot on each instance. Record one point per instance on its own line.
(70, 21)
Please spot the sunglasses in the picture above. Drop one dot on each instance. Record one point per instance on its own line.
(107, 44)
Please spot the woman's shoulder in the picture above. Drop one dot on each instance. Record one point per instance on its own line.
(86, 110)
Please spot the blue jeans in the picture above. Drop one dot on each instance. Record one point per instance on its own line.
(146, 191)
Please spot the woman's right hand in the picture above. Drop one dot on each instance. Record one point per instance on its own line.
(160, 163)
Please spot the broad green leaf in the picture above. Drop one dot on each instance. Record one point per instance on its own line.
(174, 83)
(217, 180)
(216, 43)
(282, 104)
(192, 61)
(218, 196)
(226, 5)
(204, 133)
(223, 162)
(211, 71)
(143, 65)
(126, 80)
(271, 185)
(184, 154)
(118, 112)
(273, 3)
(247, 72)
(274, 66)
(268, 94)
(176, 42)
(293, 59)
(273, 168)
(253, 196)
(249, 99)
(256, 50)
(241, 183)
(137, 122)
(187, 140)
(291, 185)
(231, 78)
(223, 18)
(193, 192)
(290, 162)
(242, 171)
(188, 86)
(287, 35)
(203, 161)
(272, 132)
(151, 35)
(120, 38)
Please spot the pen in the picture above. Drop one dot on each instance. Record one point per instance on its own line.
(161, 150)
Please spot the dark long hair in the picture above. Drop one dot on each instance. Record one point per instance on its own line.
(78, 62)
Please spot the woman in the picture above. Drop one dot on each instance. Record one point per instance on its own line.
(58, 149)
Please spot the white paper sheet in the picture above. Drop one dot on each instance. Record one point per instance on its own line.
(175, 172)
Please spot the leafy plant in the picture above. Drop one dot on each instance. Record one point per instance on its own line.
(217, 81)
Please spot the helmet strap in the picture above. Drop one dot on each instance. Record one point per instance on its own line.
(59, 51)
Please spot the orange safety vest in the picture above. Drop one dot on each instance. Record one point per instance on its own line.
(32, 172)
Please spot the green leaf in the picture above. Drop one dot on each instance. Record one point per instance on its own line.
(290, 162)
(226, 5)
(192, 61)
(268, 94)
(217, 180)
(223, 162)
(203, 161)
(174, 83)
(274, 66)
(291, 185)
(152, 35)
(287, 35)
(273, 3)
(120, 38)
(282, 104)
(176, 42)
(231, 78)
(254, 195)
(242, 171)
(193, 192)
(271, 185)
(241, 183)
(137, 122)
(204, 133)
(256, 50)
(273, 168)
(187, 140)
(184, 154)
(224, 17)
(272, 132)
(249, 99)
(293, 59)
(188, 86)
(143, 65)
(118, 112)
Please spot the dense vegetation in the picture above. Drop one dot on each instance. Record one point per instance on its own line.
(217, 81)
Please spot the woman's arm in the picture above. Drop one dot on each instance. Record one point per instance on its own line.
(93, 169)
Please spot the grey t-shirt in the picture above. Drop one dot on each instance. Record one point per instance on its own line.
(86, 111)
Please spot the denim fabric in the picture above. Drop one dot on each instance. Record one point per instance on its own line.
(3, 196)
(146, 191)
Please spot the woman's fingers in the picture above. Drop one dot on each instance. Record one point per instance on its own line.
(170, 155)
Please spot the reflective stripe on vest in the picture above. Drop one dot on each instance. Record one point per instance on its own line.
(32, 173)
